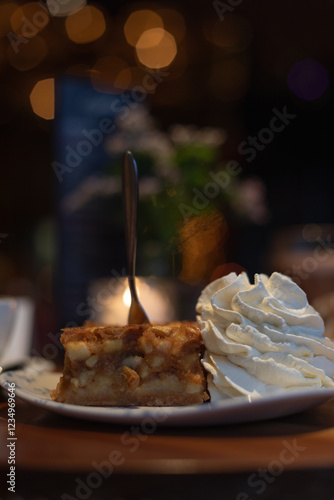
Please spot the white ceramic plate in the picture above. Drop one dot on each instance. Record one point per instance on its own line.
(35, 388)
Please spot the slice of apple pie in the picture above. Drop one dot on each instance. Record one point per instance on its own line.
(135, 365)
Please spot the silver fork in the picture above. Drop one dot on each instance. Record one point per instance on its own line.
(137, 314)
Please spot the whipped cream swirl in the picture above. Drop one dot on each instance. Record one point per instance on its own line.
(262, 337)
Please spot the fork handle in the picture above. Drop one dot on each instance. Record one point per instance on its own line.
(130, 200)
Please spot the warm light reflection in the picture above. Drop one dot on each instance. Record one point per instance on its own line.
(86, 25)
(202, 241)
(29, 19)
(123, 79)
(26, 54)
(110, 73)
(63, 8)
(42, 99)
(127, 297)
(113, 300)
(150, 38)
(156, 48)
(140, 21)
(6, 11)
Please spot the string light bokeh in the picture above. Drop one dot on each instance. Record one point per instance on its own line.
(196, 65)
(43, 40)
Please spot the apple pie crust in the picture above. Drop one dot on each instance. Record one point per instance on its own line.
(135, 365)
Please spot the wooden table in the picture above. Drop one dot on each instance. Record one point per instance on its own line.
(59, 457)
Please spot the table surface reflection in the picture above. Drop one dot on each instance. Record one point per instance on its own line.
(61, 457)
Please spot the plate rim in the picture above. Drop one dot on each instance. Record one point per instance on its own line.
(227, 411)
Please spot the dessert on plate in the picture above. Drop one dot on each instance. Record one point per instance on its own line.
(249, 340)
(135, 365)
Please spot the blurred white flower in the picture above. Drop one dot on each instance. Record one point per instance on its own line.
(90, 187)
(137, 132)
(181, 134)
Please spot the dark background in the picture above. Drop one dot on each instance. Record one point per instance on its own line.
(235, 88)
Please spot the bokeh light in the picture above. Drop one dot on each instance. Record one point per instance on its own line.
(138, 22)
(29, 19)
(59, 8)
(312, 232)
(42, 99)
(156, 48)
(25, 54)
(233, 35)
(111, 74)
(86, 25)
(6, 11)
(140, 78)
(308, 79)
(202, 240)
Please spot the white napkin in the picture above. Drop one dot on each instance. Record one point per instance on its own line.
(18, 345)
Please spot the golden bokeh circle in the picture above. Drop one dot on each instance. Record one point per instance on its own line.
(42, 98)
(24, 54)
(140, 21)
(111, 74)
(86, 25)
(156, 48)
(29, 19)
